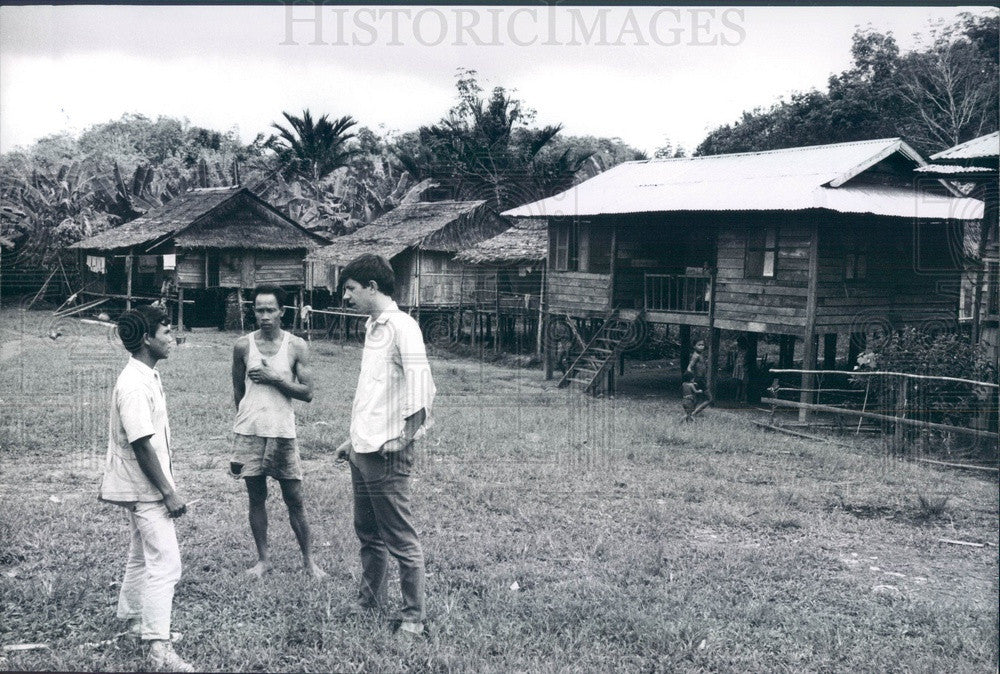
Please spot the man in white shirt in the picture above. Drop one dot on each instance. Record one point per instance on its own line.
(138, 476)
(392, 409)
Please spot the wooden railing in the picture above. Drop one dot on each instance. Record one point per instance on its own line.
(681, 293)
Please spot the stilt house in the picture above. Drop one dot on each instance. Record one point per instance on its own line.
(509, 272)
(973, 166)
(420, 240)
(510, 267)
(832, 240)
(195, 250)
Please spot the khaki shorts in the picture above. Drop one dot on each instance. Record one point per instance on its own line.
(254, 456)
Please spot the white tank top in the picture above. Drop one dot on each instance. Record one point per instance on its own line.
(264, 410)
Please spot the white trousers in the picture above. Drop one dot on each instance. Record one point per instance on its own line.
(152, 571)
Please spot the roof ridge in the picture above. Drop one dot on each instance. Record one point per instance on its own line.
(963, 146)
(760, 152)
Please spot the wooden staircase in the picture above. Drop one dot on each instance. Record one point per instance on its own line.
(599, 354)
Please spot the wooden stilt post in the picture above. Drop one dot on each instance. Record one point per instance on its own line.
(180, 308)
(684, 336)
(713, 341)
(498, 337)
(128, 282)
(747, 386)
(713, 361)
(809, 334)
(239, 306)
(899, 432)
(302, 303)
(461, 298)
(541, 317)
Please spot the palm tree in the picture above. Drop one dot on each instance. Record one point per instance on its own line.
(485, 149)
(313, 149)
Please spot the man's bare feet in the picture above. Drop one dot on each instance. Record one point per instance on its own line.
(315, 571)
(257, 570)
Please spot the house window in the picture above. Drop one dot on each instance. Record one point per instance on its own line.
(96, 264)
(762, 252)
(855, 255)
(567, 243)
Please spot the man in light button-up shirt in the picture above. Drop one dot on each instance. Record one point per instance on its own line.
(392, 409)
(138, 476)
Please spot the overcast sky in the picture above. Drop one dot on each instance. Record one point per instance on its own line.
(641, 74)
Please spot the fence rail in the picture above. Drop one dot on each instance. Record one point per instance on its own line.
(911, 410)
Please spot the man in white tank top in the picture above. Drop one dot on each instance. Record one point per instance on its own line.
(270, 369)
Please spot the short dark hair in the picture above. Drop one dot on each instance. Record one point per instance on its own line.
(687, 376)
(136, 323)
(367, 268)
(279, 294)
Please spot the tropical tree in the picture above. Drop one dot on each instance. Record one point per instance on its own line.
(486, 148)
(941, 93)
(45, 211)
(951, 87)
(312, 149)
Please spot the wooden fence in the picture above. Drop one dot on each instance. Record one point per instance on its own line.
(912, 412)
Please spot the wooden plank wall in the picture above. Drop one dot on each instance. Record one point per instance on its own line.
(243, 268)
(578, 293)
(773, 305)
(441, 278)
(894, 293)
(191, 269)
(279, 268)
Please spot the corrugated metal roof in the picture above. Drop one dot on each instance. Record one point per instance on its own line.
(791, 179)
(977, 148)
(951, 169)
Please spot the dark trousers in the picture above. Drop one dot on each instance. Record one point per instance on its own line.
(382, 522)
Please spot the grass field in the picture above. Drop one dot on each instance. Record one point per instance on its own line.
(561, 533)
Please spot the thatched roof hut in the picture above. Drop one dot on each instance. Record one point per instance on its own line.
(526, 242)
(440, 226)
(420, 240)
(205, 241)
(207, 218)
